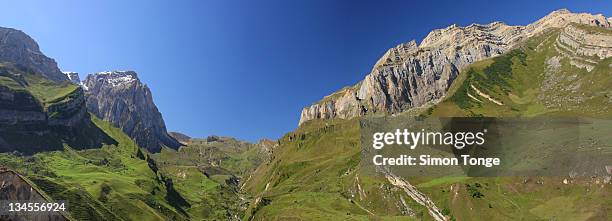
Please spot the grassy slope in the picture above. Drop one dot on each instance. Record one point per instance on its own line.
(107, 183)
(47, 92)
(112, 180)
(211, 196)
(99, 184)
(312, 174)
(517, 79)
(235, 157)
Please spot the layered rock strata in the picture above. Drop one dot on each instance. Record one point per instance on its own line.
(411, 75)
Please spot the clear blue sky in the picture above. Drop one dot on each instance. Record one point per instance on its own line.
(246, 68)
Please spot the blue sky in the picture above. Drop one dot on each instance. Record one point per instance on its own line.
(247, 68)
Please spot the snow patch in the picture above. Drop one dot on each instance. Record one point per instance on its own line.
(116, 78)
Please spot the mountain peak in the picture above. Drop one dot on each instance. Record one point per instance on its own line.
(116, 78)
(19, 48)
(121, 98)
(562, 17)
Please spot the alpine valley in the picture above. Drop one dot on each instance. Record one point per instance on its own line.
(102, 146)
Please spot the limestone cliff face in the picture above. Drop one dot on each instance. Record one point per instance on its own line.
(19, 48)
(584, 47)
(69, 112)
(411, 75)
(19, 107)
(120, 98)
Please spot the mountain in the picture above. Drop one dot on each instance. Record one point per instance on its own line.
(38, 114)
(557, 66)
(220, 155)
(411, 75)
(211, 171)
(52, 149)
(73, 77)
(39, 108)
(18, 48)
(180, 137)
(120, 98)
(566, 70)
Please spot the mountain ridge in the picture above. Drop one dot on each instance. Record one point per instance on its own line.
(409, 76)
(19, 48)
(321, 164)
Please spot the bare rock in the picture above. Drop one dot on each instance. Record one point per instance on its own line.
(73, 77)
(19, 48)
(120, 98)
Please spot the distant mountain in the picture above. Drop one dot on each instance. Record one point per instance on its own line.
(122, 99)
(19, 48)
(411, 75)
(219, 155)
(181, 138)
(73, 77)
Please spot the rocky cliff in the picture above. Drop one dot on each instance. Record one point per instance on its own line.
(73, 77)
(19, 48)
(27, 94)
(120, 98)
(19, 107)
(39, 109)
(583, 46)
(411, 75)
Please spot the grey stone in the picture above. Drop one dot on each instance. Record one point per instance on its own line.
(122, 99)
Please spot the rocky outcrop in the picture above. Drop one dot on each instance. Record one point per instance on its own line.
(409, 76)
(266, 148)
(415, 194)
(73, 77)
(20, 108)
(19, 48)
(120, 98)
(70, 111)
(583, 46)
